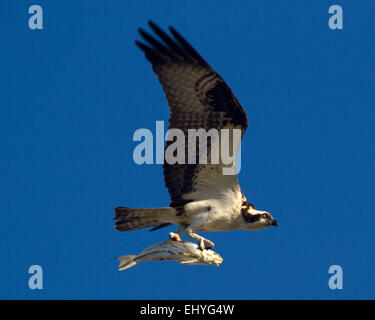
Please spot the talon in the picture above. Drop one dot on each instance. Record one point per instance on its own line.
(208, 244)
(201, 245)
(205, 244)
(174, 236)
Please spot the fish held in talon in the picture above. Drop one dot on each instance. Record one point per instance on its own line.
(184, 252)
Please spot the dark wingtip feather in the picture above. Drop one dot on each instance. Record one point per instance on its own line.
(141, 45)
(155, 43)
(187, 46)
(152, 55)
(169, 41)
(152, 24)
(165, 47)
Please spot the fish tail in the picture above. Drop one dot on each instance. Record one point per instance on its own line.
(126, 262)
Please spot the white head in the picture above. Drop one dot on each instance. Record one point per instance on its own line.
(255, 219)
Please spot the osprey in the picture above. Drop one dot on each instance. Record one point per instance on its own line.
(202, 197)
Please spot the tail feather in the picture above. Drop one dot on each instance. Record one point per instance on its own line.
(160, 226)
(133, 219)
(126, 262)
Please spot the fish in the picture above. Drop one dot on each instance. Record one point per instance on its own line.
(174, 248)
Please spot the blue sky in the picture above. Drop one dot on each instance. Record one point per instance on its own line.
(73, 94)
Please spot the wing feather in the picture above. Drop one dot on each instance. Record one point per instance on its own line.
(198, 99)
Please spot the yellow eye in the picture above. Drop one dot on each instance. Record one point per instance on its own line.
(265, 215)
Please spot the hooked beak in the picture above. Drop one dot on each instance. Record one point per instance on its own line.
(274, 223)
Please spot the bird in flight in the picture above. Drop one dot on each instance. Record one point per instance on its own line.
(202, 197)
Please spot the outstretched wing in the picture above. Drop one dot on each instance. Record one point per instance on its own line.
(198, 99)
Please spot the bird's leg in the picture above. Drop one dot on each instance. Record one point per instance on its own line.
(181, 229)
(202, 242)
